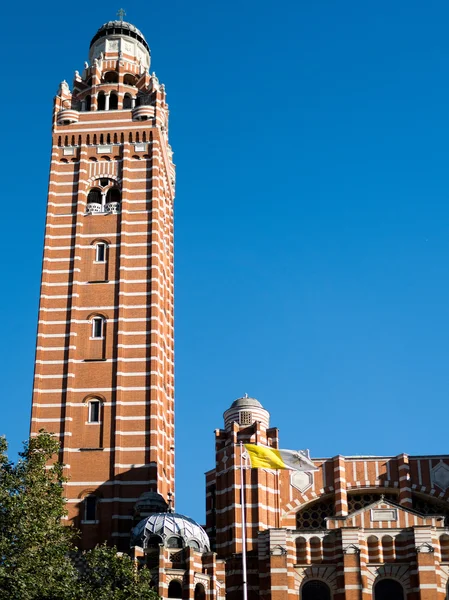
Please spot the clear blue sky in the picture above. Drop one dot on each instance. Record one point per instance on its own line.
(312, 214)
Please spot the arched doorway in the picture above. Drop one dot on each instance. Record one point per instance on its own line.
(175, 589)
(200, 592)
(315, 590)
(388, 589)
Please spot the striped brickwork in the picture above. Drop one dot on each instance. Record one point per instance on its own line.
(129, 368)
(356, 521)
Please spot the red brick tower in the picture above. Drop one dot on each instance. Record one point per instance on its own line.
(104, 359)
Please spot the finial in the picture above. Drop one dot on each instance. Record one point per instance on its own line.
(120, 14)
(246, 395)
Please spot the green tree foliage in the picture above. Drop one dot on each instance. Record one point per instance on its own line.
(37, 550)
(108, 575)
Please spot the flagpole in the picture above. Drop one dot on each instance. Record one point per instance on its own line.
(242, 501)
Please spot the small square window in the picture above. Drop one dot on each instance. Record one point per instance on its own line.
(245, 417)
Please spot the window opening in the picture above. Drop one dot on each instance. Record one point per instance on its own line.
(113, 101)
(245, 417)
(90, 508)
(97, 327)
(94, 411)
(101, 101)
(100, 252)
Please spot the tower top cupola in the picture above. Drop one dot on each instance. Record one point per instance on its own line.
(245, 411)
(120, 39)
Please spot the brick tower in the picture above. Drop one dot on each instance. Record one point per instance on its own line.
(104, 377)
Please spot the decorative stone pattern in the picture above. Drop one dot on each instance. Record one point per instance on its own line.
(301, 480)
(440, 475)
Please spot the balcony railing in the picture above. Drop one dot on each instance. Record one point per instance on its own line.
(95, 208)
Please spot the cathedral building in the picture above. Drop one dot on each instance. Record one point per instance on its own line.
(357, 528)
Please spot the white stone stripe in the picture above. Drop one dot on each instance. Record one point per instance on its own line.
(112, 389)
(82, 404)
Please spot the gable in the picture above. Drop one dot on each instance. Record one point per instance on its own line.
(384, 515)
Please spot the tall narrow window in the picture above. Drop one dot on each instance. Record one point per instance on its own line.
(94, 411)
(100, 252)
(90, 508)
(97, 327)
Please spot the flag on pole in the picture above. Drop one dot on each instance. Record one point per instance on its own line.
(262, 457)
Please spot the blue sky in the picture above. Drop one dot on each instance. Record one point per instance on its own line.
(312, 214)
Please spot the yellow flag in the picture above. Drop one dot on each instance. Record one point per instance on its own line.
(263, 457)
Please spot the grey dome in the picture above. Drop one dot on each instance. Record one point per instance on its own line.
(246, 402)
(120, 28)
(172, 530)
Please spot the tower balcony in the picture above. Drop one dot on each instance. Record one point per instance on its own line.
(67, 116)
(143, 113)
(95, 208)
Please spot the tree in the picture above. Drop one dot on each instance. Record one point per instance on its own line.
(37, 551)
(109, 575)
(34, 545)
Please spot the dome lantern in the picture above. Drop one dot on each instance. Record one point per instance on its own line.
(120, 38)
(245, 411)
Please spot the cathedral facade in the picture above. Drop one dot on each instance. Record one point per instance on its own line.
(357, 528)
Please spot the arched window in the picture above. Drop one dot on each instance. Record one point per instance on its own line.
(97, 327)
(113, 101)
(154, 541)
(200, 592)
(127, 102)
(174, 542)
(388, 589)
(100, 252)
(101, 101)
(94, 410)
(110, 77)
(315, 590)
(129, 79)
(193, 544)
(113, 195)
(175, 589)
(90, 508)
(94, 196)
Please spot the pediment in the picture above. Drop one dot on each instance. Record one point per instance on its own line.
(384, 514)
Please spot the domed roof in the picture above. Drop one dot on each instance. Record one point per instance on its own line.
(151, 502)
(172, 530)
(120, 28)
(246, 402)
